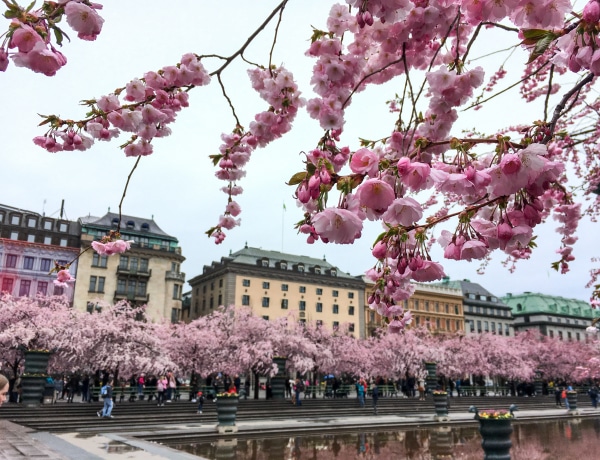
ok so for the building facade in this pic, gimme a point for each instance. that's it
(484, 312)
(149, 273)
(30, 246)
(438, 308)
(553, 316)
(274, 284)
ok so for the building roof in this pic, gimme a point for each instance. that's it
(529, 303)
(129, 224)
(250, 256)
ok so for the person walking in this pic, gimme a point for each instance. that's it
(107, 393)
(161, 388)
(594, 396)
(360, 391)
(200, 400)
(298, 388)
(375, 397)
(557, 396)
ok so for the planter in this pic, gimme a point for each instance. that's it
(36, 362)
(227, 410)
(278, 382)
(572, 398)
(32, 390)
(431, 379)
(225, 449)
(539, 387)
(496, 441)
(441, 443)
(441, 405)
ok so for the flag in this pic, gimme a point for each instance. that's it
(284, 208)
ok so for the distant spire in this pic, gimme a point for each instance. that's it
(324, 258)
(246, 246)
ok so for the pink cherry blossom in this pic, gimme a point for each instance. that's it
(63, 277)
(337, 225)
(84, 20)
(376, 195)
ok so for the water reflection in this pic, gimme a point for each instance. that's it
(565, 439)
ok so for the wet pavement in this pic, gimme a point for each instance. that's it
(18, 442)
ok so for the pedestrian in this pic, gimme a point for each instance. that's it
(594, 396)
(107, 393)
(557, 396)
(58, 389)
(360, 391)
(298, 388)
(421, 389)
(563, 396)
(141, 383)
(246, 387)
(200, 400)
(375, 397)
(3, 389)
(161, 387)
(85, 388)
(171, 386)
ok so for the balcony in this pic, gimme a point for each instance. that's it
(135, 272)
(132, 297)
(175, 276)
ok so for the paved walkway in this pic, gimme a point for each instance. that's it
(18, 442)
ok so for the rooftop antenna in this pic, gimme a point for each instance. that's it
(44, 208)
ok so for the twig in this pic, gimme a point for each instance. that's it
(125, 190)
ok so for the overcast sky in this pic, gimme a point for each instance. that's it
(176, 184)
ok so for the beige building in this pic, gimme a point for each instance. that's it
(275, 284)
(438, 308)
(149, 273)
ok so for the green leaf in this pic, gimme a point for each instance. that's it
(532, 36)
(297, 178)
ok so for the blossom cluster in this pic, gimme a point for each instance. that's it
(147, 108)
(277, 87)
(31, 31)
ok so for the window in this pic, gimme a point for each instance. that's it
(133, 264)
(335, 293)
(486, 326)
(578, 336)
(124, 262)
(427, 305)
(479, 326)
(319, 307)
(300, 268)
(265, 317)
(121, 286)
(31, 222)
(302, 289)
(265, 263)
(265, 302)
(14, 235)
(319, 291)
(569, 338)
(319, 322)
(42, 287)
(506, 329)
(220, 299)
(284, 287)
(560, 335)
(437, 323)
(47, 225)
(63, 242)
(351, 327)
(351, 295)
(101, 280)
(245, 300)
(245, 282)
(447, 324)
(28, 263)
(176, 291)
(437, 307)
(336, 309)
(351, 310)
(551, 333)
(284, 304)
(221, 282)
(45, 265)
(143, 265)
(7, 285)
(31, 238)
(58, 290)
(92, 286)
(11, 260)
(63, 227)
(47, 240)
(15, 220)
(26, 285)
(283, 266)
(493, 327)
(266, 285)
(456, 309)
(99, 261)
(336, 325)
(302, 305)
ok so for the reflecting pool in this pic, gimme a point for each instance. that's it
(564, 439)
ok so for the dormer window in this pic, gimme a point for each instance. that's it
(283, 265)
(300, 268)
(115, 222)
(333, 272)
(145, 227)
(318, 270)
(130, 224)
(264, 262)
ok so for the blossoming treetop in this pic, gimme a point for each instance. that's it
(495, 187)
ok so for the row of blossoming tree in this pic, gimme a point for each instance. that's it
(495, 188)
(120, 340)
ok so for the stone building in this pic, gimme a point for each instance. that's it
(484, 312)
(553, 316)
(438, 308)
(149, 273)
(274, 284)
(30, 245)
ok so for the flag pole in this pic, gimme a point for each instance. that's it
(282, 224)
